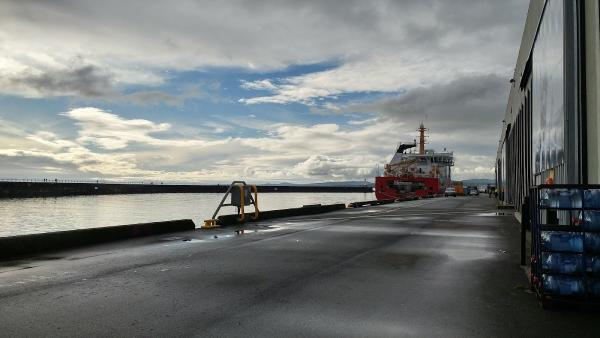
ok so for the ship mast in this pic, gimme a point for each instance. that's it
(422, 130)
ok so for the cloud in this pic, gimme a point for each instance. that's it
(462, 116)
(153, 97)
(86, 81)
(157, 97)
(468, 103)
(10, 129)
(259, 85)
(376, 74)
(77, 157)
(110, 131)
(332, 167)
(473, 166)
(17, 164)
(110, 146)
(385, 44)
(361, 122)
(323, 151)
(457, 113)
(448, 60)
(51, 140)
(431, 43)
(78, 161)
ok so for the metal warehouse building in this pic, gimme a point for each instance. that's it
(550, 127)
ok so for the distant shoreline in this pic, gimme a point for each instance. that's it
(57, 189)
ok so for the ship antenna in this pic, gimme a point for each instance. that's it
(422, 130)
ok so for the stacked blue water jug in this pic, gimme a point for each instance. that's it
(567, 256)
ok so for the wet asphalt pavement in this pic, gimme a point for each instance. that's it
(445, 267)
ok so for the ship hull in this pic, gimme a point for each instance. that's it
(393, 187)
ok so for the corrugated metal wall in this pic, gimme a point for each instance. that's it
(519, 154)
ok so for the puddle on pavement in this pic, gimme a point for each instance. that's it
(222, 236)
(406, 218)
(76, 258)
(468, 255)
(50, 258)
(497, 213)
(173, 238)
(403, 260)
(269, 228)
(18, 268)
(13, 263)
(219, 236)
(193, 240)
(442, 233)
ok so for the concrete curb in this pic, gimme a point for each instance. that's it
(270, 214)
(36, 243)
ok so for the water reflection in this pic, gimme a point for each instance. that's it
(33, 215)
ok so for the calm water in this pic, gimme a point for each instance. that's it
(32, 215)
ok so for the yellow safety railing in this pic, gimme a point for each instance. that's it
(254, 190)
(212, 223)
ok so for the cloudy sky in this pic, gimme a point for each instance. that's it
(210, 91)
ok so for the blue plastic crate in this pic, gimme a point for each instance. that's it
(562, 241)
(562, 262)
(566, 242)
(593, 287)
(592, 264)
(591, 220)
(591, 198)
(563, 285)
(592, 242)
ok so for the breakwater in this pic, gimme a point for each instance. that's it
(54, 189)
(36, 243)
(29, 244)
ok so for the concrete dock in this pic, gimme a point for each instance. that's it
(439, 267)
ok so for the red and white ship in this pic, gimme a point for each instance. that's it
(410, 173)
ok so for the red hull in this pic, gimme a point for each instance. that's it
(391, 187)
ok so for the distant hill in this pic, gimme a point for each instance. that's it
(479, 181)
(476, 181)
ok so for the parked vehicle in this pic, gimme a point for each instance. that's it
(474, 192)
(450, 191)
(459, 189)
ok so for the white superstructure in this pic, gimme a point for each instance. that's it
(425, 163)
